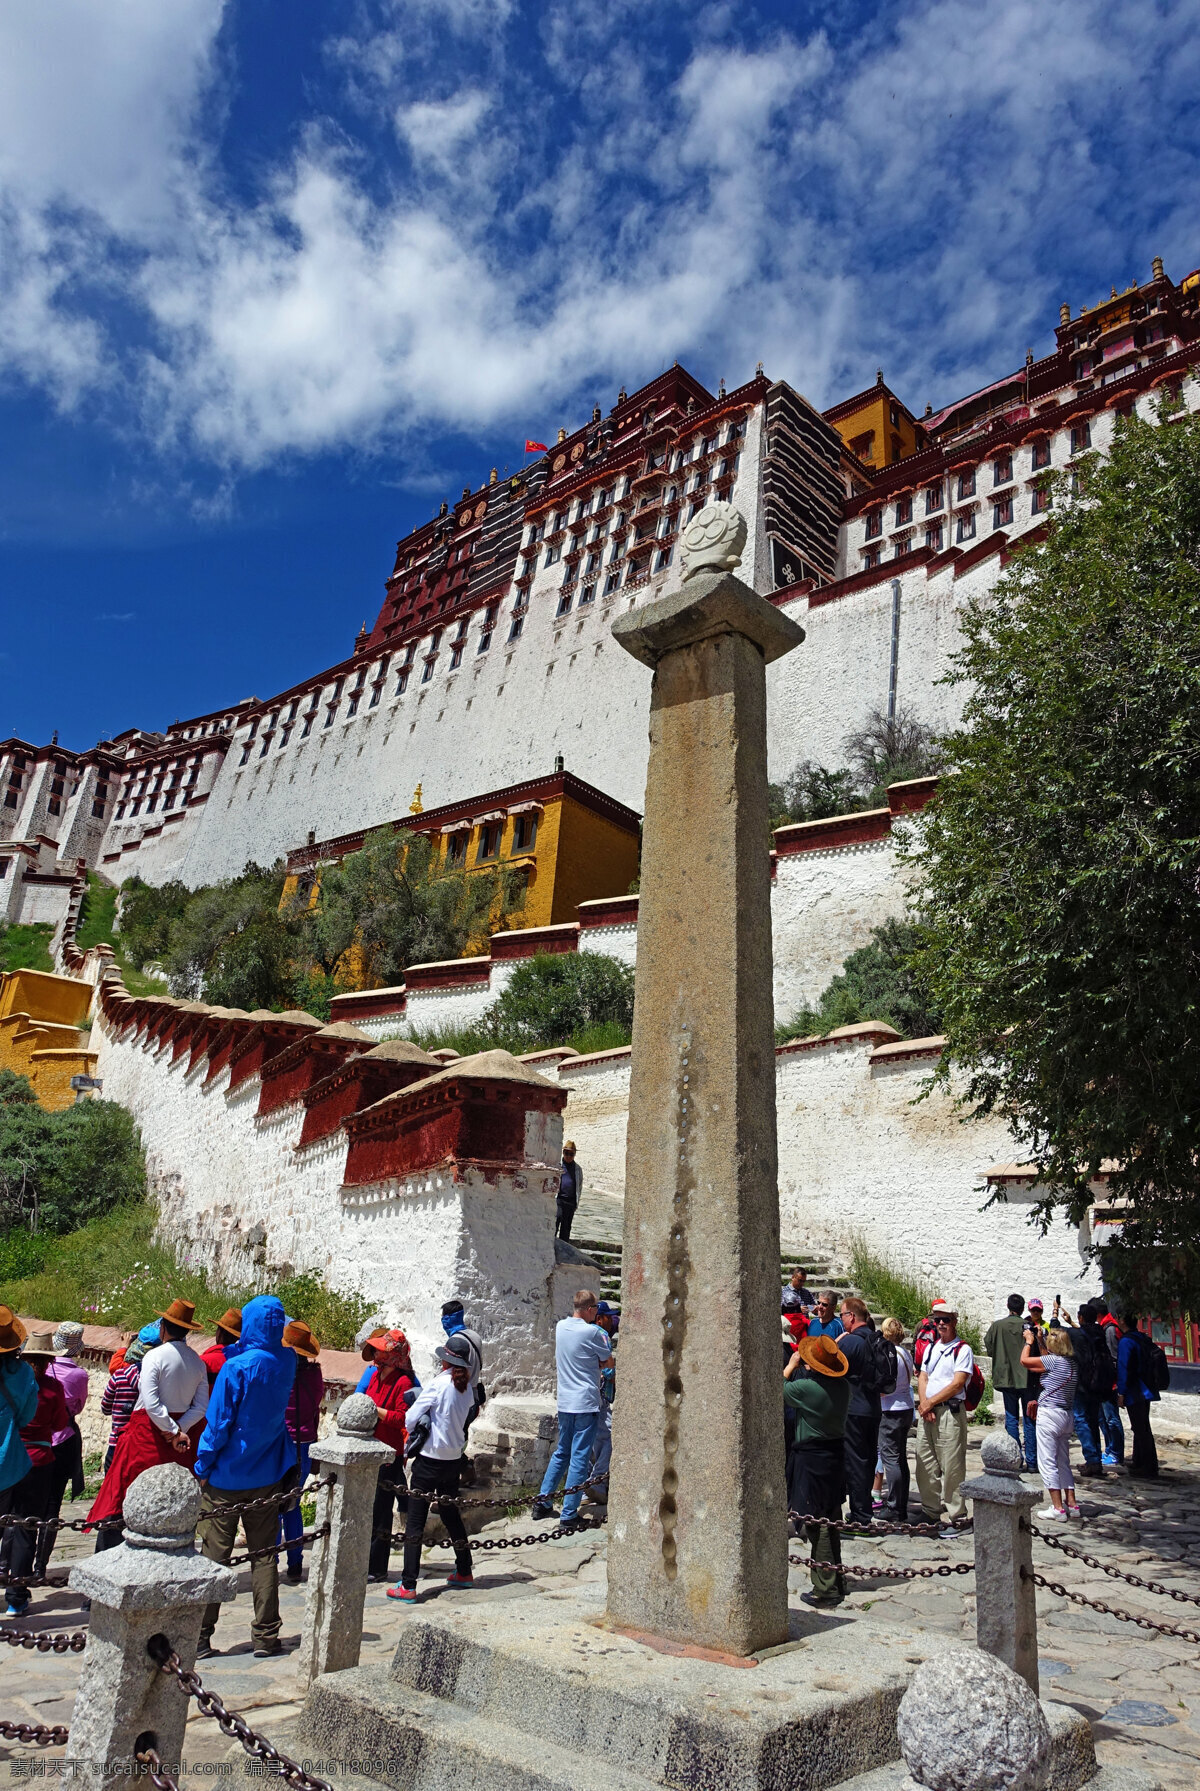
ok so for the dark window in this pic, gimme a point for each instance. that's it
(456, 847)
(904, 509)
(524, 833)
(564, 603)
(352, 705)
(515, 627)
(485, 641)
(933, 537)
(965, 529)
(1002, 511)
(874, 523)
(665, 556)
(55, 805)
(1081, 437)
(966, 484)
(1002, 469)
(612, 583)
(98, 810)
(402, 681)
(455, 656)
(1041, 500)
(427, 670)
(934, 498)
(246, 749)
(1041, 454)
(489, 841)
(872, 558)
(587, 595)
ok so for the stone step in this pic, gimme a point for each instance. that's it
(413, 1741)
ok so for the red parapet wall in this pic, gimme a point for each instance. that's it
(450, 1118)
(360, 1083)
(528, 942)
(298, 1068)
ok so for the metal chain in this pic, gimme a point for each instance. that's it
(1108, 1610)
(157, 1771)
(942, 1571)
(505, 1504)
(877, 1527)
(37, 1733)
(285, 1501)
(44, 1641)
(273, 1548)
(230, 1723)
(482, 1545)
(1115, 1573)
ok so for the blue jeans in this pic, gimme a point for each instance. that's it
(293, 1522)
(602, 1452)
(571, 1461)
(1114, 1430)
(1016, 1417)
(1087, 1416)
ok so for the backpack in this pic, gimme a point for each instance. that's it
(1154, 1367)
(885, 1367)
(1093, 1364)
(973, 1391)
(923, 1338)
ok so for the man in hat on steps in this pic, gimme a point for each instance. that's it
(169, 1413)
(246, 1454)
(229, 1329)
(32, 1496)
(817, 1392)
(570, 1187)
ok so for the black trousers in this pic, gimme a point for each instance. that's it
(19, 1546)
(391, 1492)
(68, 1468)
(427, 1480)
(816, 1488)
(861, 1448)
(1145, 1456)
(565, 1211)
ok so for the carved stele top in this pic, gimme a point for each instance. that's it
(713, 540)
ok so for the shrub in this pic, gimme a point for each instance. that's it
(60, 1170)
(554, 996)
(334, 1318)
(881, 981)
(26, 947)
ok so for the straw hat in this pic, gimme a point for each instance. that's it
(40, 1344)
(823, 1356)
(183, 1314)
(12, 1332)
(231, 1321)
(68, 1339)
(297, 1336)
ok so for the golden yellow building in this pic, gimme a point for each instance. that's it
(876, 426)
(567, 841)
(40, 1017)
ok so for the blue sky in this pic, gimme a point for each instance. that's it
(275, 278)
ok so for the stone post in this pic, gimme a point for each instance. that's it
(1005, 1604)
(154, 1583)
(337, 1567)
(698, 1505)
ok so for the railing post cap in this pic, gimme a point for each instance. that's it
(162, 1508)
(1001, 1454)
(357, 1416)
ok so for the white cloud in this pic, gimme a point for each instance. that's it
(905, 197)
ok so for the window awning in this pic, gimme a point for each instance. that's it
(458, 827)
(495, 814)
(526, 808)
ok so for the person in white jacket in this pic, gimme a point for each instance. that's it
(437, 1426)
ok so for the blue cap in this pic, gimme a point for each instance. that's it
(151, 1333)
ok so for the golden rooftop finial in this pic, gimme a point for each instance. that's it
(416, 806)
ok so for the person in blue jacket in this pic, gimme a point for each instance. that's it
(1135, 1393)
(18, 1402)
(246, 1452)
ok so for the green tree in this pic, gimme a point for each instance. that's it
(1060, 863)
(812, 793)
(881, 981)
(891, 749)
(396, 903)
(59, 1170)
(147, 915)
(231, 946)
(555, 996)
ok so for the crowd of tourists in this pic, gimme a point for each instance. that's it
(242, 1417)
(854, 1393)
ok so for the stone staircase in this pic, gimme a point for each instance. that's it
(607, 1252)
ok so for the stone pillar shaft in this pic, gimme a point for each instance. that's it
(1005, 1597)
(337, 1566)
(698, 1505)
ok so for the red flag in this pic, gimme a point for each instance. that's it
(535, 447)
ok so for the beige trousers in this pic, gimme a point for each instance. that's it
(942, 1463)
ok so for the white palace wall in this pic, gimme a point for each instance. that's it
(860, 1155)
(240, 1198)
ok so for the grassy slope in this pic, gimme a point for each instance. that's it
(26, 947)
(97, 926)
(111, 1272)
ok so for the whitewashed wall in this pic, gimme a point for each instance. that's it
(239, 1197)
(857, 1156)
(824, 905)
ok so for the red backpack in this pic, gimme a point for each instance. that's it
(924, 1335)
(973, 1391)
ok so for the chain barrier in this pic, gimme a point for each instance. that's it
(156, 1770)
(286, 1501)
(274, 1548)
(230, 1723)
(877, 1527)
(942, 1571)
(483, 1545)
(36, 1734)
(44, 1641)
(1108, 1610)
(1115, 1573)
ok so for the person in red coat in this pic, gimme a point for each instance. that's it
(34, 1495)
(229, 1329)
(392, 1386)
(168, 1418)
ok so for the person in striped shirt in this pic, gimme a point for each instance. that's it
(120, 1395)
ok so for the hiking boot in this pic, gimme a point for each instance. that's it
(264, 1650)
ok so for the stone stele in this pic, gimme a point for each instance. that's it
(698, 1506)
(969, 1723)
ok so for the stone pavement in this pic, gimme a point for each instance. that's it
(1140, 1690)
